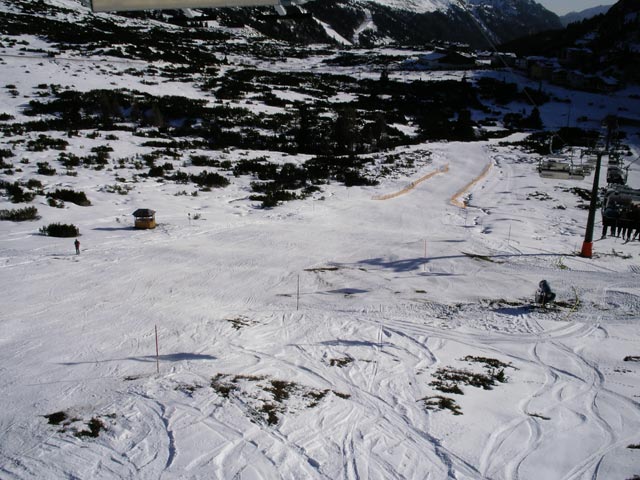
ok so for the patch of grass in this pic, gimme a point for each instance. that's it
(447, 387)
(490, 362)
(281, 390)
(222, 387)
(271, 412)
(476, 256)
(239, 322)
(281, 395)
(340, 362)
(449, 376)
(95, 427)
(438, 402)
(56, 418)
(187, 389)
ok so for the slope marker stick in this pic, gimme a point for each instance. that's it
(424, 264)
(157, 352)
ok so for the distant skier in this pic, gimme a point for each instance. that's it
(544, 293)
(77, 245)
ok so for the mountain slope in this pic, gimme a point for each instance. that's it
(613, 41)
(573, 17)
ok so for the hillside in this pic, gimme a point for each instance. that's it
(341, 280)
(573, 17)
(611, 40)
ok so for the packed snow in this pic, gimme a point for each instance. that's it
(304, 341)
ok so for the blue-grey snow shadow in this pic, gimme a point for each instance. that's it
(170, 357)
(515, 311)
(354, 343)
(396, 265)
(410, 264)
(112, 229)
(348, 291)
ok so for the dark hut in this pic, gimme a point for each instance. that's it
(145, 218)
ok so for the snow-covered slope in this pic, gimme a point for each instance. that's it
(318, 339)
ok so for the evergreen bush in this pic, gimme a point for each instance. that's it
(19, 214)
(61, 230)
(79, 198)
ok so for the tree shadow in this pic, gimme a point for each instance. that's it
(409, 264)
(113, 229)
(352, 343)
(514, 311)
(170, 357)
(348, 291)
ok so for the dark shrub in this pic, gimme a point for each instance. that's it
(45, 169)
(79, 198)
(20, 214)
(209, 179)
(62, 230)
(16, 194)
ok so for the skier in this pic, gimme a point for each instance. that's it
(77, 245)
(544, 293)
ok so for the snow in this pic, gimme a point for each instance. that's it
(399, 288)
(418, 6)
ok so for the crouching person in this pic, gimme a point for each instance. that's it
(544, 294)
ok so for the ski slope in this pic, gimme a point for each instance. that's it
(303, 341)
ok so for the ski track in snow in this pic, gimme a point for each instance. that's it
(77, 331)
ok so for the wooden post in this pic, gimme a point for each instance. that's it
(157, 352)
(298, 294)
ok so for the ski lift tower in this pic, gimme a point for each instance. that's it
(587, 245)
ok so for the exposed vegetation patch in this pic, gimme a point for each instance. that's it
(78, 427)
(484, 258)
(631, 359)
(449, 379)
(56, 418)
(340, 362)
(94, 427)
(266, 399)
(240, 322)
(438, 402)
(188, 389)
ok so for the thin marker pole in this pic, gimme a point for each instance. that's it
(424, 265)
(157, 352)
(509, 239)
(298, 294)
